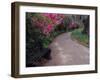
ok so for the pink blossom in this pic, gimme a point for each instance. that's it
(48, 29)
(72, 25)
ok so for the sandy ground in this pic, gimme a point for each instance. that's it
(65, 51)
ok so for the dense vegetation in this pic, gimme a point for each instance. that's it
(80, 37)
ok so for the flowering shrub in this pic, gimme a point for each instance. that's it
(46, 22)
(55, 18)
(48, 29)
(72, 25)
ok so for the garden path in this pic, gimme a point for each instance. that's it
(65, 51)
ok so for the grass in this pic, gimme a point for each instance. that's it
(80, 37)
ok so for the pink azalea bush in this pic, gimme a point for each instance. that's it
(55, 18)
(47, 21)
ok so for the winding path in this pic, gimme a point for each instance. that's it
(65, 51)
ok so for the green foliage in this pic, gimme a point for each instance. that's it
(78, 35)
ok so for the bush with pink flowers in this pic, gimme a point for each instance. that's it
(46, 22)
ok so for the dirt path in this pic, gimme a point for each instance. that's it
(65, 51)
